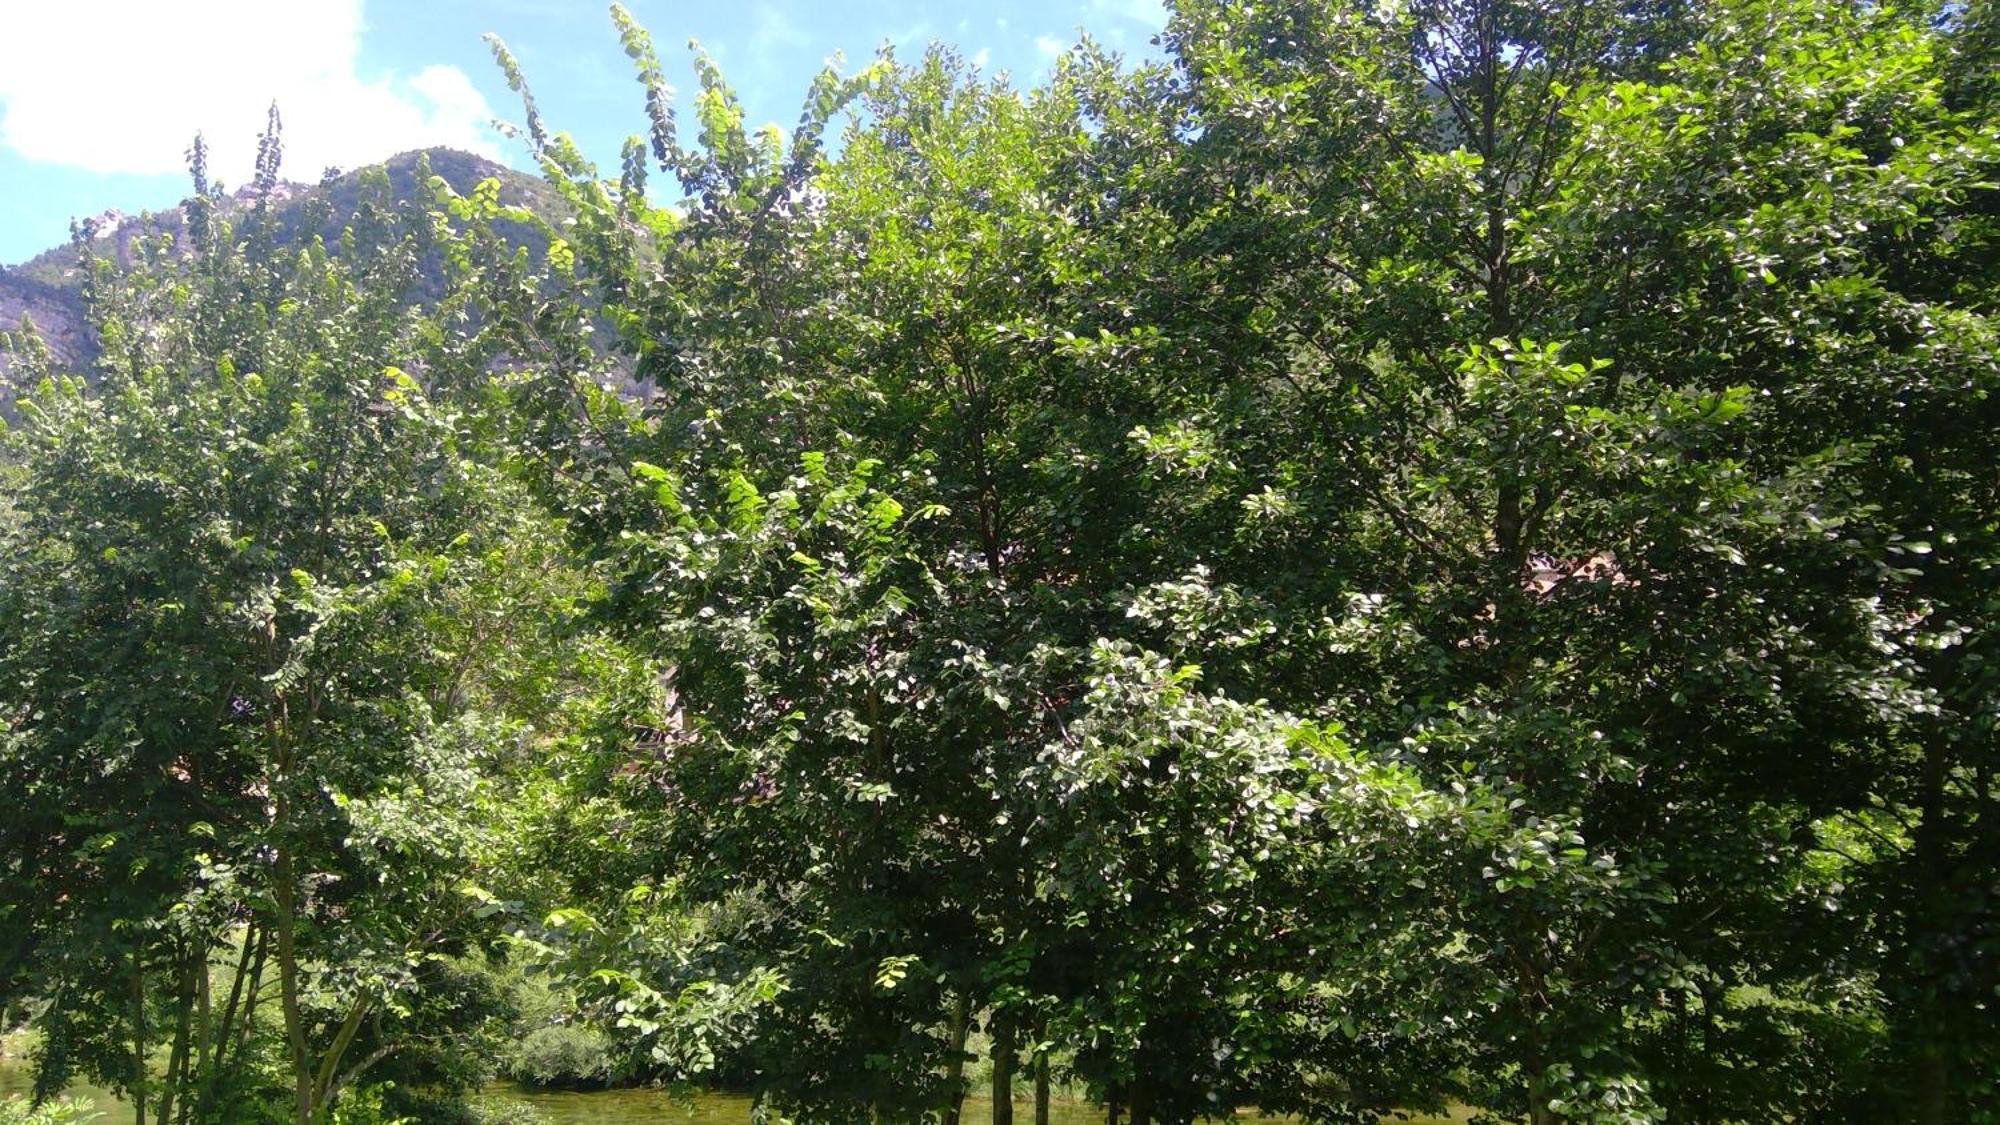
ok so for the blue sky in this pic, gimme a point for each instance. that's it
(99, 98)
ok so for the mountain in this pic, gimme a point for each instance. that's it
(47, 289)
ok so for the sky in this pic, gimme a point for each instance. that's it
(99, 99)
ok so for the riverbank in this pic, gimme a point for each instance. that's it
(631, 1106)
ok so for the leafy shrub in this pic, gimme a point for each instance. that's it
(435, 1107)
(17, 1110)
(364, 1107)
(562, 1055)
(503, 1112)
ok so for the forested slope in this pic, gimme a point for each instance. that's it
(47, 289)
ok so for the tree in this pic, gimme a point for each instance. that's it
(250, 623)
(1583, 491)
(1402, 554)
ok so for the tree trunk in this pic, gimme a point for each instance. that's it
(204, 1039)
(1539, 1112)
(1041, 1085)
(1003, 1068)
(283, 891)
(138, 1039)
(242, 998)
(1933, 1086)
(329, 1064)
(1932, 1079)
(177, 1057)
(961, 1015)
(354, 1073)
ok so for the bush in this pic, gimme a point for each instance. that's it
(562, 1055)
(432, 1107)
(503, 1112)
(16, 1110)
(364, 1107)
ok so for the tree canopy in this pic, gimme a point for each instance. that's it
(1383, 558)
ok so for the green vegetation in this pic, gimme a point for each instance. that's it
(48, 288)
(57, 1111)
(1433, 554)
(562, 1055)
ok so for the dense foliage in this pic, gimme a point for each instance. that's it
(1409, 555)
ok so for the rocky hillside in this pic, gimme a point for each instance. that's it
(46, 290)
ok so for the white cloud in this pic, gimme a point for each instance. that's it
(982, 56)
(1049, 45)
(123, 85)
(775, 29)
(1147, 13)
(912, 34)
